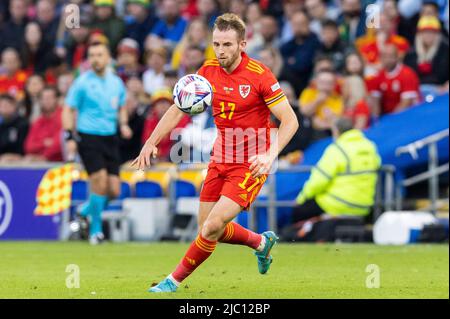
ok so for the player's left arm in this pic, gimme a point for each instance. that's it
(287, 128)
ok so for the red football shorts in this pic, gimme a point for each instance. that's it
(233, 181)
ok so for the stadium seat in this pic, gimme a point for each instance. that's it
(149, 218)
(184, 189)
(160, 177)
(125, 190)
(148, 189)
(185, 219)
(187, 187)
(195, 176)
(117, 227)
(80, 190)
(116, 219)
(188, 205)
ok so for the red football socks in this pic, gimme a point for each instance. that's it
(197, 253)
(235, 234)
(202, 248)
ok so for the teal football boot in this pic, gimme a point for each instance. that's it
(264, 257)
(166, 285)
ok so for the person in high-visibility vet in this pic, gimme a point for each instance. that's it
(343, 182)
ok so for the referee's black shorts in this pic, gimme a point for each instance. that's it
(99, 152)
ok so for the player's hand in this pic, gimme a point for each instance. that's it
(143, 160)
(260, 164)
(126, 132)
(71, 148)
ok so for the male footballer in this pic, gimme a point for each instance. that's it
(245, 93)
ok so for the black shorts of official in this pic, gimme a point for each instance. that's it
(99, 152)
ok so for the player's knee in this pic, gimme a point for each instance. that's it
(212, 228)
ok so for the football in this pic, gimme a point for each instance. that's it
(193, 94)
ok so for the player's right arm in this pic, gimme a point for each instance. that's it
(165, 125)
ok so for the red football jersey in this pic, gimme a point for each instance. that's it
(241, 102)
(391, 87)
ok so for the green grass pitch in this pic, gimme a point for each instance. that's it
(38, 270)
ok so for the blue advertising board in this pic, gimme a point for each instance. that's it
(17, 203)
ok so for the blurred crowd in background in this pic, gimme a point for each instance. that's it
(333, 59)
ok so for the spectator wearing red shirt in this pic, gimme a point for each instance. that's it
(160, 103)
(12, 78)
(370, 45)
(396, 87)
(43, 142)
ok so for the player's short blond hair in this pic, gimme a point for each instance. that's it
(230, 21)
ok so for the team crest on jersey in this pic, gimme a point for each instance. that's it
(244, 90)
(396, 86)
